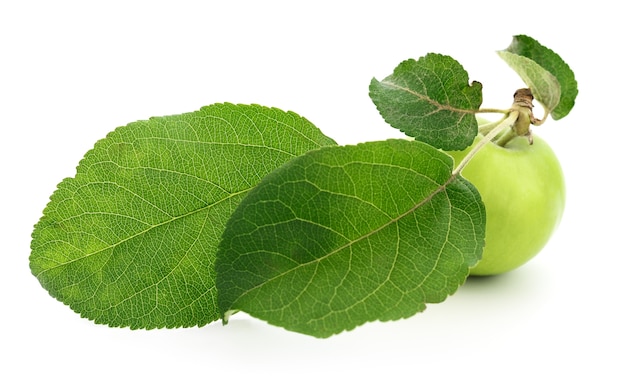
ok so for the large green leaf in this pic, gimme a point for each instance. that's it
(346, 235)
(131, 239)
(550, 79)
(430, 99)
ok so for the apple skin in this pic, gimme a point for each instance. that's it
(523, 189)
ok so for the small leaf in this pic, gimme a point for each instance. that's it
(540, 68)
(430, 100)
(346, 235)
(131, 239)
(544, 86)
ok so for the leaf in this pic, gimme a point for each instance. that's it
(544, 86)
(430, 100)
(131, 239)
(550, 79)
(346, 235)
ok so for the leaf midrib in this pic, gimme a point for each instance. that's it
(424, 97)
(172, 219)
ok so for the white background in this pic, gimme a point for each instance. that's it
(70, 72)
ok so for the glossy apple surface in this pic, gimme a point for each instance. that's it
(523, 189)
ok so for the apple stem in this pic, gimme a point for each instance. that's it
(503, 124)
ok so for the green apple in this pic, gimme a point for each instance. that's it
(523, 189)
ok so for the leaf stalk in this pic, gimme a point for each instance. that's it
(503, 124)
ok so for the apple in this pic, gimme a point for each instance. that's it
(523, 189)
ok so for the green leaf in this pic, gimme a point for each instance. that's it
(430, 100)
(346, 235)
(549, 78)
(131, 239)
(544, 86)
